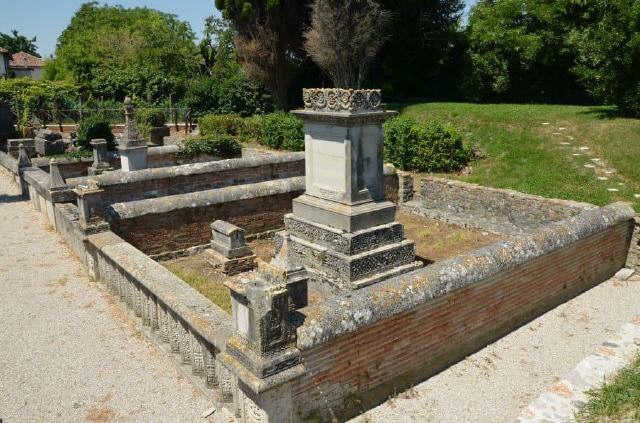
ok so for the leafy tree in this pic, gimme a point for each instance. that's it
(16, 43)
(112, 51)
(344, 38)
(608, 51)
(419, 58)
(269, 41)
(518, 51)
(223, 87)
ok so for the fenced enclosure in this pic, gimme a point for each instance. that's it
(178, 118)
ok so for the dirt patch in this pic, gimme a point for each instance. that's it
(100, 415)
(438, 241)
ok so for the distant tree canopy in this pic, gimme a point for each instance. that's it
(269, 41)
(15, 43)
(113, 52)
(423, 55)
(519, 51)
(607, 45)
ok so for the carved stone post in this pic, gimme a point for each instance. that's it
(57, 182)
(100, 157)
(132, 148)
(262, 352)
(91, 207)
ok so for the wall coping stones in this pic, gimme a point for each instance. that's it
(10, 163)
(118, 177)
(39, 180)
(206, 198)
(205, 318)
(338, 316)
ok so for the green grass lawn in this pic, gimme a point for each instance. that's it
(618, 401)
(525, 155)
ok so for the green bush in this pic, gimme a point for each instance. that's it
(223, 93)
(251, 128)
(220, 124)
(94, 127)
(223, 146)
(154, 118)
(148, 119)
(424, 147)
(281, 131)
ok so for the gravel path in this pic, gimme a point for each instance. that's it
(68, 350)
(496, 383)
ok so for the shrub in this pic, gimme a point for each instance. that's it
(223, 146)
(220, 124)
(424, 147)
(148, 119)
(282, 131)
(251, 128)
(222, 94)
(152, 117)
(94, 127)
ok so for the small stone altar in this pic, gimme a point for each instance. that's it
(342, 229)
(229, 250)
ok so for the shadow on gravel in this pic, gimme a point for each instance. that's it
(5, 199)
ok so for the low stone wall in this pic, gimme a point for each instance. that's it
(153, 183)
(164, 156)
(193, 328)
(504, 212)
(360, 350)
(178, 222)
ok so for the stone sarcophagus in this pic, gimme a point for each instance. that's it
(342, 229)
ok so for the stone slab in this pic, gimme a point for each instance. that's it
(344, 217)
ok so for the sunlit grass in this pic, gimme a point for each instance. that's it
(211, 287)
(525, 155)
(617, 401)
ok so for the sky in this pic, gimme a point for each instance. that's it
(46, 19)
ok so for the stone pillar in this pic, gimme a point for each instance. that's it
(262, 353)
(23, 162)
(132, 148)
(90, 207)
(229, 250)
(57, 182)
(100, 157)
(342, 229)
(23, 157)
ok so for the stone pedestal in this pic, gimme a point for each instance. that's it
(132, 148)
(262, 352)
(100, 158)
(229, 250)
(90, 208)
(342, 229)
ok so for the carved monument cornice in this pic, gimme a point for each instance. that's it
(341, 100)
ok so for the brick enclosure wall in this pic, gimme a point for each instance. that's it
(188, 227)
(180, 184)
(358, 370)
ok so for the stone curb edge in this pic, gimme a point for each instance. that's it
(568, 396)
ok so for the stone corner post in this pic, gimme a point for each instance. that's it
(262, 352)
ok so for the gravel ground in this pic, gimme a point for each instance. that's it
(68, 350)
(497, 382)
